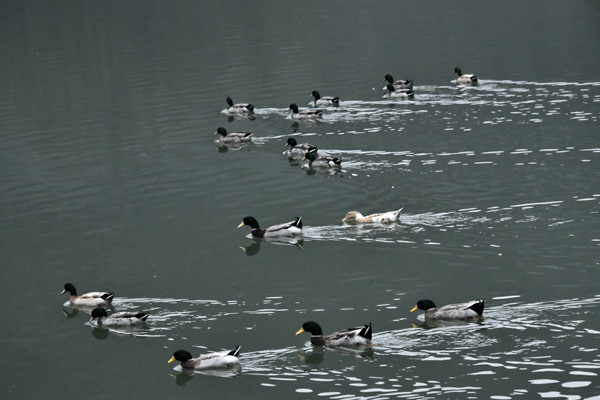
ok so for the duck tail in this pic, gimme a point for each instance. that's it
(366, 332)
(235, 352)
(143, 315)
(108, 296)
(478, 306)
(298, 222)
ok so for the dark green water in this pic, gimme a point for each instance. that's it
(112, 180)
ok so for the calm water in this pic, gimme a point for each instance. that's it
(112, 180)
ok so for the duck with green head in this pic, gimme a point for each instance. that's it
(123, 318)
(239, 108)
(305, 114)
(465, 78)
(360, 335)
(399, 84)
(325, 100)
(288, 229)
(300, 149)
(233, 137)
(217, 360)
(322, 162)
(91, 299)
(468, 310)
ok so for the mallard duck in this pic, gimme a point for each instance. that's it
(305, 114)
(124, 318)
(288, 229)
(466, 78)
(325, 100)
(240, 108)
(399, 84)
(468, 310)
(222, 359)
(91, 299)
(387, 217)
(400, 93)
(347, 337)
(322, 162)
(233, 137)
(300, 148)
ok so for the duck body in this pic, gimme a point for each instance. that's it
(399, 84)
(394, 93)
(288, 229)
(91, 299)
(386, 218)
(217, 360)
(468, 310)
(360, 335)
(124, 318)
(305, 114)
(234, 137)
(465, 78)
(300, 148)
(322, 162)
(240, 108)
(325, 100)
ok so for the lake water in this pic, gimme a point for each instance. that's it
(112, 180)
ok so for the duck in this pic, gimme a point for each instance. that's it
(217, 360)
(300, 148)
(360, 335)
(322, 162)
(325, 100)
(233, 137)
(305, 114)
(124, 318)
(399, 84)
(240, 108)
(464, 78)
(91, 299)
(291, 228)
(400, 93)
(386, 217)
(468, 310)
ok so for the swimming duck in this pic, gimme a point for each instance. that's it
(322, 162)
(361, 335)
(399, 84)
(234, 137)
(387, 217)
(466, 78)
(300, 148)
(124, 318)
(288, 229)
(240, 108)
(218, 360)
(468, 310)
(325, 100)
(400, 93)
(91, 299)
(305, 114)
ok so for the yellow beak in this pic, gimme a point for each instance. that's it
(415, 308)
(171, 360)
(300, 331)
(216, 133)
(240, 225)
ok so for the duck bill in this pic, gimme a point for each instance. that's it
(63, 292)
(171, 360)
(415, 308)
(242, 224)
(300, 331)
(216, 133)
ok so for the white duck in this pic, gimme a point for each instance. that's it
(386, 218)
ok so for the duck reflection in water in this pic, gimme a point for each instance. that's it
(317, 355)
(254, 248)
(445, 323)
